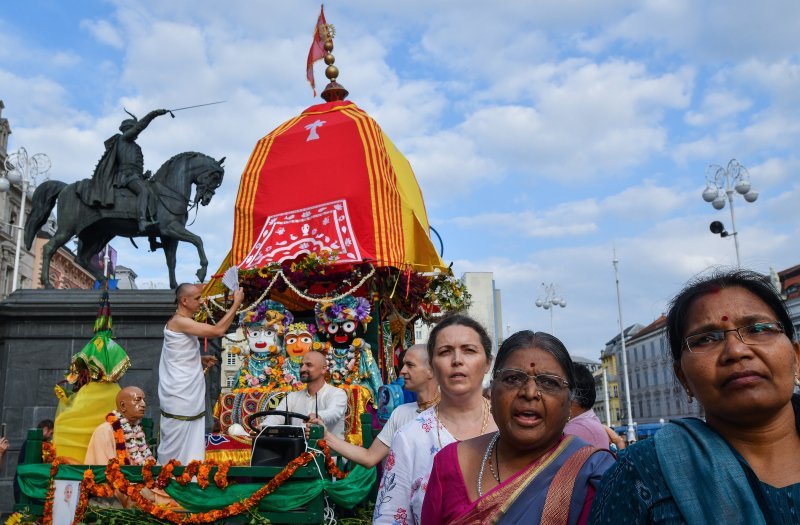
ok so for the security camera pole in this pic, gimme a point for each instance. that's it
(719, 180)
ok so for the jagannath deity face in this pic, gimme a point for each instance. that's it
(342, 334)
(343, 320)
(263, 338)
(298, 344)
(264, 326)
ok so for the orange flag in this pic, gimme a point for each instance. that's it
(317, 50)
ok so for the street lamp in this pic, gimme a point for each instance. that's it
(23, 170)
(724, 181)
(631, 434)
(550, 301)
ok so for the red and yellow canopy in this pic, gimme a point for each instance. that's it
(330, 179)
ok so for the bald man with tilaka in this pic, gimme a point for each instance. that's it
(181, 385)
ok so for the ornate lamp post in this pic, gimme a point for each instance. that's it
(22, 169)
(550, 301)
(724, 181)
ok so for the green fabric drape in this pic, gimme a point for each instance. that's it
(35, 478)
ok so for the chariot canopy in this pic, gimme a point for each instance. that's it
(330, 180)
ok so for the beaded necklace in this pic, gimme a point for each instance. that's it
(486, 455)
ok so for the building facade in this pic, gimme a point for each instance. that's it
(656, 394)
(610, 382)
(790, 290)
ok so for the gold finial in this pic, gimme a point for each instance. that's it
(333, 91)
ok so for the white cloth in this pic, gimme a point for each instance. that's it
(182, 392)
(408, 467)
(330, 403)
(400, 416)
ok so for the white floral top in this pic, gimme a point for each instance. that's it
(408, 467)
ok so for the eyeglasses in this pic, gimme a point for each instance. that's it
(754, 334)
(513, 379)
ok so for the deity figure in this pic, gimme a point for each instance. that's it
(298, 340)
(350, 362)
(264, 328)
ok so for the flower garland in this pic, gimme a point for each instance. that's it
(272, 371)
(212, 298)
(344, 369)
(291, 374)
(131, 443)
(89, 487)
(201, 469)
(116, 481)
(330, 464)
(48, 452)
(47, 518)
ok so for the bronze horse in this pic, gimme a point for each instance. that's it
(170, 189)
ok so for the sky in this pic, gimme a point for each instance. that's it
(544, 135)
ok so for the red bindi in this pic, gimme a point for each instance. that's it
(724, 317)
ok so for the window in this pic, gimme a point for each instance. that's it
(231, 359)
(655, 375)
(230, 380)
(618, 414)
(616, 394)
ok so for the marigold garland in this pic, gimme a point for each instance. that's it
(330, 464)
(47, 518)
(116, 481)
(48, 452)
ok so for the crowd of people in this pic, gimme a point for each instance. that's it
(530, 449)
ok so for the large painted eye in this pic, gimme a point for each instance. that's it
(305, 340)
(291, 340)
(270, 332)
(333, 328)
(254, 333)
(349, 326)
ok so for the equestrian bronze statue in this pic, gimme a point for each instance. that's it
(122, 200)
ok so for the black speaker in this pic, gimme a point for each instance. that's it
(277, 446)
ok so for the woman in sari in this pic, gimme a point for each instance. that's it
(460, 353)
(528, 471)
(734, 349)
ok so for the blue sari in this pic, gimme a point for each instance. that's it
(709, 480)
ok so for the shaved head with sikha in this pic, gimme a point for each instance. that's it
(131, 403)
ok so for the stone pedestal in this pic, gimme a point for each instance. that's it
(40, 331)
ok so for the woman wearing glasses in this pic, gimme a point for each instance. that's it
(460, 354)
(734, 350)
(528, 471)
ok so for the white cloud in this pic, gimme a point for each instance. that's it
(104, 32)
(717, 105)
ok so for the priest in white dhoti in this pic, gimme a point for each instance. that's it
(181, 384)
(317, 400)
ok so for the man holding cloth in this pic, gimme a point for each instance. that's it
(181, 385)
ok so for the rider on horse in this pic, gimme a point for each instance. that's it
(122, 166)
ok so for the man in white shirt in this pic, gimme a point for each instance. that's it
(321, 401)
(418, 378)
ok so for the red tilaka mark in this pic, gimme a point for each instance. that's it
(724, 317)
